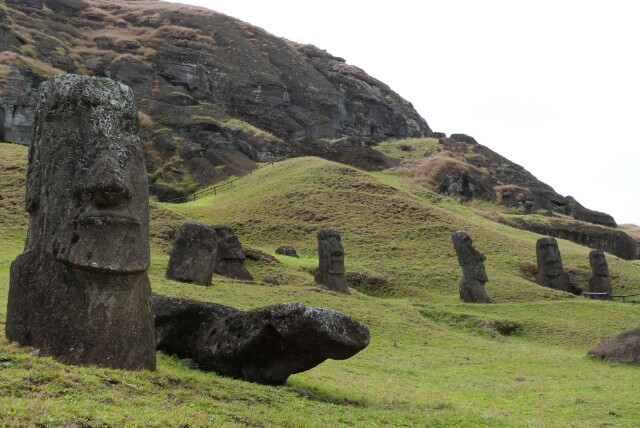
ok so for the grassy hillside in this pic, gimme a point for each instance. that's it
(432, 361)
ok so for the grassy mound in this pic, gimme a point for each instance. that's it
(432, 359)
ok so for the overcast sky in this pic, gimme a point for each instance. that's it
(552, 85)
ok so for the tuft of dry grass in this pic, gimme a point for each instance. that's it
(426, 172)
(35, 65)
(633, 230)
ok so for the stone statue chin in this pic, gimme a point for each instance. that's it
(474, 276)
(80, 292)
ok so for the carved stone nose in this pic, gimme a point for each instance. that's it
(107, 185)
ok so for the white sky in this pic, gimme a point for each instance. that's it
(552, 85)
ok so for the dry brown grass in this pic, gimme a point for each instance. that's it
(36, 66)
(633, 230)
(510, 193)
(146, 122)
(426, 172)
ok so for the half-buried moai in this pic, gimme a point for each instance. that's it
(474, 276)
(80, 292)
(600, 281)
(331, 257)
(194, 254)
(551, 273)
(230, 255)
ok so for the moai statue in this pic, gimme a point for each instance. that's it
(194, 254)
(551, 272)
(79, 292)
(331, 256)
(474, 275)
(600, 281)
(230, 255)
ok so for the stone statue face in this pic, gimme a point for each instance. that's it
(87, 182)
(598, 263)
(548, 254)
(470, 259)
(330, 251)
(229, 246)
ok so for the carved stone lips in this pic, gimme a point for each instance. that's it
(99, 218)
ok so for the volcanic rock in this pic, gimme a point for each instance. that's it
(287, 250)
(80, 291)
(264, 345)
(623, 348)
(194, 254)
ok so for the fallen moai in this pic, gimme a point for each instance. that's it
(264, 345)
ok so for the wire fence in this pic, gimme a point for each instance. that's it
(192, 196)
(609, 296)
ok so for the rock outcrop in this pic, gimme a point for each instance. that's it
(215, 94)
(80, 290)
(264, 345)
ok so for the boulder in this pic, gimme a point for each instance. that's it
(287, 251)
(264, 345)
(194, 253)
(623, 348)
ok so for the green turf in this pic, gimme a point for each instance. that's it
(432, 361)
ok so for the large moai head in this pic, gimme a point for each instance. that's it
(598, 263)
(330, 252)
(474, 275)
(80, 291)
(230, 255)
(551, 273)
(331, 270)
(548, 255)
(87, 182)
(194, 253)
(600, 281)
(470, 259)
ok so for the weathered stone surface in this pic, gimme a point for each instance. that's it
(623, 348)
(289, 338)
(80, 292)
(264, 345)
(230, 255)
(287, 250)
(36, 4)
(551, 272)
(463, 138)
(600, 281)
(474, 276)
(194, 254)
(331, 256)
(579, 212)
(180, 323)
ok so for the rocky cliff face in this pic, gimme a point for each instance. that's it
(215, 94)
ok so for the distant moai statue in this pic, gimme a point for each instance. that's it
(230, 255)
(331, 257)
(551, 273)
(79, 292)
(600, 281)
(194, 254)
(474, 276)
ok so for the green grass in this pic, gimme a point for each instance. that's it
(432, 361)
(415, 149)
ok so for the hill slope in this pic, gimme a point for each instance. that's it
(432, 360)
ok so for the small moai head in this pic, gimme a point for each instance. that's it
(87, 181)
(330, 252)
(229, 246)
(598, 262)
(470, 259)
(548, 255)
